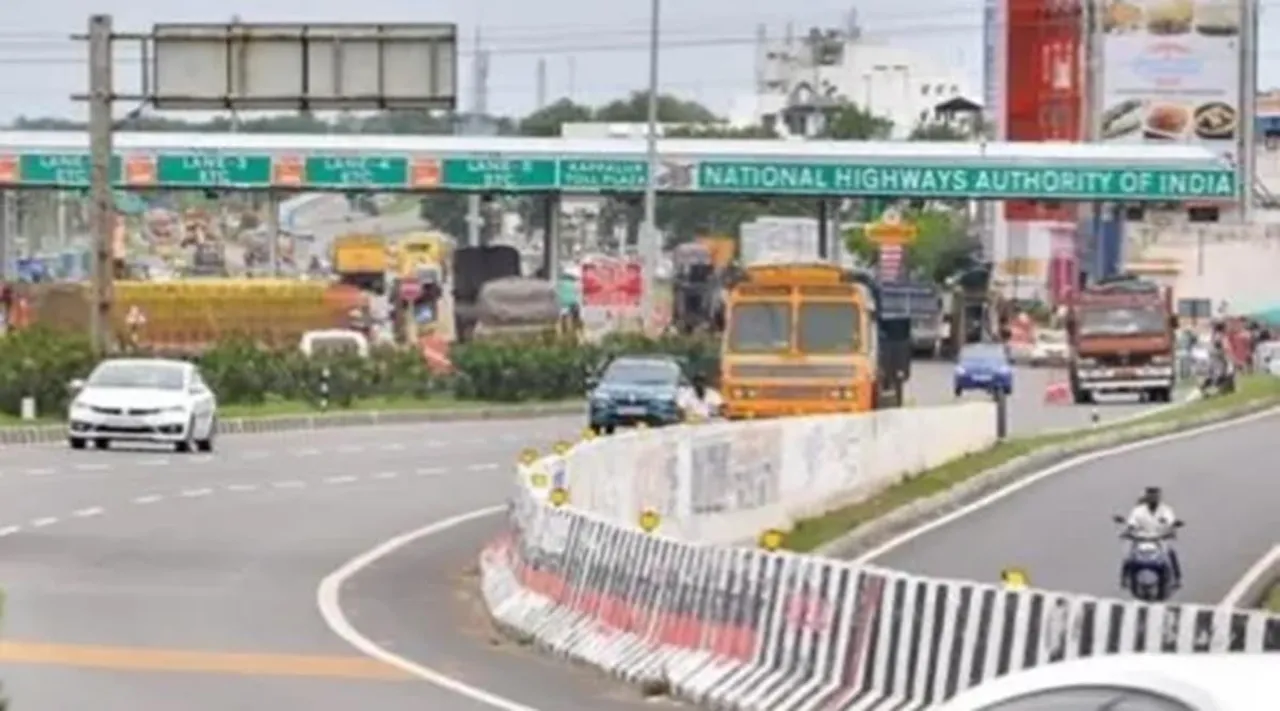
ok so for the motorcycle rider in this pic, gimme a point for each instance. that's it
(1154, 519)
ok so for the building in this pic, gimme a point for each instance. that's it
(828, 66)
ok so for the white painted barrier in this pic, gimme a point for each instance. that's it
(738, 628)
(728, 482)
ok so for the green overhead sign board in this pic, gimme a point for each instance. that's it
(342, 172)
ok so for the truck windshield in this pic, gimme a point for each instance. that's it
(829, 328)
(760, 328)
(1128, 321)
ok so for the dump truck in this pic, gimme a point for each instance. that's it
(971, 311)
(1123, 335)
(186, 316)
(810, 338)
(921, 303)
(473, 267)
(361, 260)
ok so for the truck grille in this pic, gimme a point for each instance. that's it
(751, 371)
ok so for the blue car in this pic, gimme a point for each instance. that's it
(635, 390)
(984, 366)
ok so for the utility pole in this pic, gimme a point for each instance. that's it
(650, 238)
(473, 126)
(541, 83)
(101, 207)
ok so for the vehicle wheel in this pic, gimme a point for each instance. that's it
(1161, 395)
(206, 444)
(77, 442)
(102, 443)
(959, 392)
(187, 444)
(609, 429)
(1082, 397)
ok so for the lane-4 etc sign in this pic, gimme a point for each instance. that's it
(397, 172)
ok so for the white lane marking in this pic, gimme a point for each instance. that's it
(1264, 567)
(196, 493)
(309, 452)
(46, 521)
(291, 484)
(350, 448)
(148, 499)
(91, 511)
(242, 487)
(9, 530)
(340, 479)
(329, 600)
(161, 462)
(995, 496)
(429, 471)
(386, 475)
(42, 471)
(392, 447)
(482, 467)
(433, 443)
(92, 467)
(202, 459)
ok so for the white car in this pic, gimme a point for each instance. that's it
(1050, 347)
(1155, 682)
(143, 400)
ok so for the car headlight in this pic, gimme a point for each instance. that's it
(960, 370)
(77, 406)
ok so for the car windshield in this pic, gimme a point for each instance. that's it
(120, 374)
(760, 328)
(984, 355)
(641, 372)
(829, 328)
(1122, 321)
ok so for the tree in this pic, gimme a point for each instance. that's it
(848, 122)
(939, 132)
(548, 120)
(670, 110)
(941, 245)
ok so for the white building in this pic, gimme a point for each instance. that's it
(895, 83)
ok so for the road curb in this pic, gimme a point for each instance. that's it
(45, 434)
(900, 520)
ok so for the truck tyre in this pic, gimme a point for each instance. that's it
(1082, 397)
(1161, 395)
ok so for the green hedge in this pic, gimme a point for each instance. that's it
(40, 363)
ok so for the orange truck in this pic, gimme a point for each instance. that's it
(1123, 334)
(804, 339)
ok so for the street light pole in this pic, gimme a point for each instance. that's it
(650, 243)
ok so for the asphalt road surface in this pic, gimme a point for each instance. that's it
(931, 384)
(1222, 483)
(149, 581)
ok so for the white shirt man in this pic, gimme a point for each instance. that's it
(1144, 520)
(701, 408)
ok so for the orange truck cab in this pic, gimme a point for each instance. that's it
(805, 339)
(1122, 334)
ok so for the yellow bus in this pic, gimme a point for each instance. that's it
(804, 339)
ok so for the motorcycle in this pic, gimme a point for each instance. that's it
(1150, 570)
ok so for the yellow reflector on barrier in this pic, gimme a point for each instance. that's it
(649, 520)
(558, 496)
(528, 456)
(772, 539)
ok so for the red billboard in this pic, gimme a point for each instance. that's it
(1044, 86)
(612, 283)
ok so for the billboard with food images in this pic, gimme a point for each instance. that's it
(1171, 73)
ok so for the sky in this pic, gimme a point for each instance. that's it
(594, 50)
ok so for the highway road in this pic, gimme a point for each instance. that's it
(1223, 483)
(147, 580)
(150, 581)
(931, 384)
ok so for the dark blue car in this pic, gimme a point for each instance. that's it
(635, 390)
(984, 366)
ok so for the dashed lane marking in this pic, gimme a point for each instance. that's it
(196, 493)
(482, 467)
(46, 521)
(88, 512)
(429, 471)
(148, 499)
(181, 660)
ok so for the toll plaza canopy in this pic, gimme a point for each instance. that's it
(1047, 171)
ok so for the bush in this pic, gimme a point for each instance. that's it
(40, 363)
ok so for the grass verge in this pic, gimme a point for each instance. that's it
(1272, 603)
(280, 408)
(809, 534)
